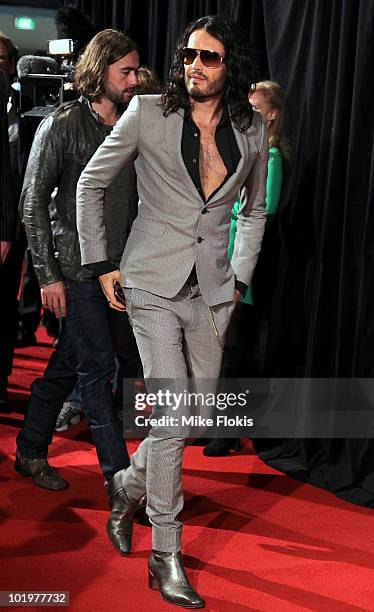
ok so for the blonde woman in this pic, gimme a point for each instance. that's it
(268, 99)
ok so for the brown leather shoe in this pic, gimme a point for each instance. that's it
(42, 473)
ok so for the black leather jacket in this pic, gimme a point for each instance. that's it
(63, 144)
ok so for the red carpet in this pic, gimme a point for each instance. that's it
(253, 539)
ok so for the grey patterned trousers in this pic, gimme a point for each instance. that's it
(177, 340)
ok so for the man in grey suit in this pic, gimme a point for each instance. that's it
(194, 147)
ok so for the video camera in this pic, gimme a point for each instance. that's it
(46, 82)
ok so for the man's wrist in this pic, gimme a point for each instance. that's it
(93, 270)
(51, 282)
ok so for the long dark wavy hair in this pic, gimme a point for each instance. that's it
(238, 61)
(106, 48)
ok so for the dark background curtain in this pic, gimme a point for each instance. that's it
(7, 193)
(321, 321)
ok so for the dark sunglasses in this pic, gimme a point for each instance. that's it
(209, 59)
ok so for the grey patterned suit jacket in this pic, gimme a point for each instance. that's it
(165, 240)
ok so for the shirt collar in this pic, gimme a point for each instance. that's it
(225, 117)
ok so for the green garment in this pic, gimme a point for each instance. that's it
(273, 190)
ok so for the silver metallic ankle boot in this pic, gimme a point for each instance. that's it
(120, 522)
(167, 574)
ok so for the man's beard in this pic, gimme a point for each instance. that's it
(210, 89)
(117, 98)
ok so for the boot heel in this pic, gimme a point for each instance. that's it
(152, 581)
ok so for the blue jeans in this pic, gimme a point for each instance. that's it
(85, 352)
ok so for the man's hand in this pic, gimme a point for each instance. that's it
(54, 298)
(107, 284)
(4, 251)
(237, 295)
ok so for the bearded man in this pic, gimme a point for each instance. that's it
(106, 77)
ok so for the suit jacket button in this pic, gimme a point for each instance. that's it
(204, 211)
(199, 239)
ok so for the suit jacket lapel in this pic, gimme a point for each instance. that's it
(242, 142)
